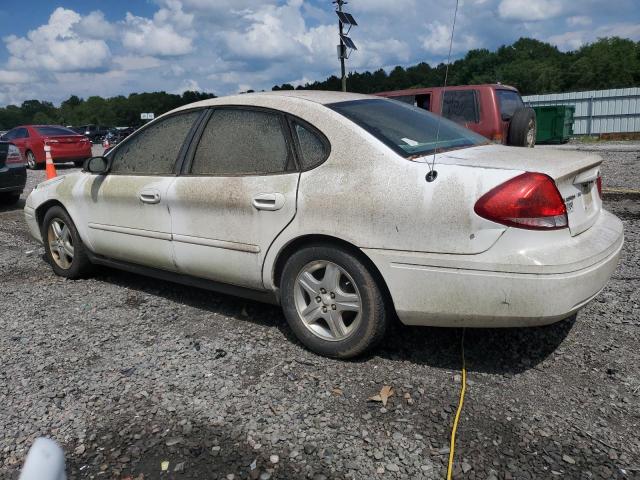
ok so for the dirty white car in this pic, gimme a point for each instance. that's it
(324, 202)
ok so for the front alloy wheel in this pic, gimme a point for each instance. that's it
(64, 249)
(60, 243)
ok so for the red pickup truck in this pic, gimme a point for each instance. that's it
(495, 111)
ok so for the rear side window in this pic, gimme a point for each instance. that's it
(509, 102)
(242, 142)
(54, 131)
(155, 149)
(461, 106)
(312, 149)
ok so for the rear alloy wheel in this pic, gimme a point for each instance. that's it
(31, 161)
(63, 247)
(332, 302)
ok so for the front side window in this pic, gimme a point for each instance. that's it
(155, 149)
(312, 149)
(409, 131)
(460, 106)
(242, 142)
(509, 102)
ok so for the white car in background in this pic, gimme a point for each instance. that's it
(320, 201)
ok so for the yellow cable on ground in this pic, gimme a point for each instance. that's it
(452, 447)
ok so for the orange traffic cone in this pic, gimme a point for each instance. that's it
(50, 168)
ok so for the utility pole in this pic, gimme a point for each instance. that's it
(345, 42)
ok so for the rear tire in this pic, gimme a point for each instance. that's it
(63, 247)
(522, 128)
(351, 315)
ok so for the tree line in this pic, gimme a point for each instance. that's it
(114, 111)
(528, 64)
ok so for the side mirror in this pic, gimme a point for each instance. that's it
(96, 165)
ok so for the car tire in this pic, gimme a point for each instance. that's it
(63, 246)
(351, 316)
(31, 161)
(522, 128)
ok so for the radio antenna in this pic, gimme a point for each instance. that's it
(431, 176)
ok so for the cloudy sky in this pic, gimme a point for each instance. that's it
(52, 49)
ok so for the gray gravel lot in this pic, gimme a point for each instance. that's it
(127, 372)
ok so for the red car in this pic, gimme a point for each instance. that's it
(494, 111)
(66, 145)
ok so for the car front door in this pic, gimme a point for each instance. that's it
(238, 192)
(127, 209)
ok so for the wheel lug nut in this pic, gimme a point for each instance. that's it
(333, 295)
(324, 309)
(318, 299)
(333, 307)
(323, 291)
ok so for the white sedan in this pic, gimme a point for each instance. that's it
(335, 206)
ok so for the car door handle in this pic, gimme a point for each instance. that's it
(268, 201)
(149, 197)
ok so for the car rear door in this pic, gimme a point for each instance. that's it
(127, 210)
(237, 193)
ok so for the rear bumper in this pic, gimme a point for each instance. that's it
(13, 179)
(436, 295)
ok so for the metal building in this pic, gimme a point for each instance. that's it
(598, 111)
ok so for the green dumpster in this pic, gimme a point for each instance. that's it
(554, 123)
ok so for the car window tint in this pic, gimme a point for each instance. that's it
(237, 142)
(54, 131)
(460, 106)
(312, 149)
(408, 130)
(509, 102)
(10, 135)
(155, 149)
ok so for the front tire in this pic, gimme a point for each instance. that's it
(64, 249)
(332, 302)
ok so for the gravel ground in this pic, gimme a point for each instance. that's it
(128, 372)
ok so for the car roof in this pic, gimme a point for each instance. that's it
(316, 96)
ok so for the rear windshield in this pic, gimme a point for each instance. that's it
(408, 130)
(509, 102)
(55, 131)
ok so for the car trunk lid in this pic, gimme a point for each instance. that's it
(575, 174)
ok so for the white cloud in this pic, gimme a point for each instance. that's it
(438, 37)
(57, 47)
(145, 37)
(13, 77)
(95, 25)
(579, 21)
(529, 10)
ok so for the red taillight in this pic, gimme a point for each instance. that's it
(599, 184)
(530, 200)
